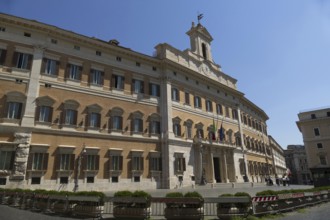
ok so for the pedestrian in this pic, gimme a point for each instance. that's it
(277, 180)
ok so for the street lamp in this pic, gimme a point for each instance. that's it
(80, 157)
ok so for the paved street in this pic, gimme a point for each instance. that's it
(319, 212)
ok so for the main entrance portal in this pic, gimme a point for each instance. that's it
(216, 164)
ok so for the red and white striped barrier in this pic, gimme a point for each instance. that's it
(264, 198)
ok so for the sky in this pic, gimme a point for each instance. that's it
(279, 51)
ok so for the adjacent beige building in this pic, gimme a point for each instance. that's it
(79, 113)
(315, 128)
(278, 159)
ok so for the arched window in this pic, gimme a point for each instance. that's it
(204, 50)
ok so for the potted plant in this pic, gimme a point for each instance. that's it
(87, 204)
(131, 205)
(188, 206)
(233, 205)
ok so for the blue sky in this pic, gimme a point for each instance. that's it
(279, 51)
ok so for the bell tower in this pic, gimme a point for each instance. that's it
(200, 42)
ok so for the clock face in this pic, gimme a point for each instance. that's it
(206, 71)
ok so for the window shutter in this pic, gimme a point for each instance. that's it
(150, 90)
(37, 116)
(15, 57)
(141, 163)
(57, 67)
(122, 86)
(140, 125)
(3, 54)
(67, 70)
(75, 117)
(87, 123)
(30, 161)
(72, 160)
(19, 115)
(132, 124)
(58, 161)
(98, 120)
(142, 87)
(62, 118)
(176, 164)
(80, 69)
(12, 160)
(120, 162)
(110, 163)
(97, 162)
(150, 163)
(29, 64)
(45, 161)
(91, 76)
(113, 81)
(184, 163)
(179, 130)
(102, 78)
(121, 123)
(50, 116)
(133, 85)
(84, 160)
(43, 65)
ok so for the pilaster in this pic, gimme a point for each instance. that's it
(33, 88)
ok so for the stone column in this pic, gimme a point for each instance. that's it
(21, 156)
(224, 156)
(212, 166)
(166, 127)
(33, 89)
(240, 127)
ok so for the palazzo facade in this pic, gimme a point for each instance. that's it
(80, 113)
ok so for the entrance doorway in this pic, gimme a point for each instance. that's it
(216, 166)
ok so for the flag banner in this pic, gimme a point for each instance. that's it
(221, 133)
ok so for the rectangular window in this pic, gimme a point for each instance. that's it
(155, 127)
(155, 163)
(137, 163)
(92, 162)
(180, 164)
(137, 179)
(70, 117)
(197, 102)
(116, 123)
(177, 129)
(14, 110)
(209, 107)
(2, 29)
(189, 131)
(328, 114)
(35, 180)
(175, 95)
(3, 181)
(94, 120)
(219, 109)
(118, 82)
(154, 90)
(2, 56)
(319, 145)
(51, 67)
(53, 41)
(64, 180)
(114, 179)
(90, 179)
(27, 34)
(187, 98)
(23, 61)
(227, 112)
(313, 116)
(6, 160)
(235, 115)
(45, 113)
(316, 132)
(76, 47)
(74, 72)
(323, 160)
(96, 77)
(137, 125)
(40, 161)
(98, 53)
(66, 161)
(138, 86)
(116, 162)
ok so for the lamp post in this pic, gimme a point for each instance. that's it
(80, 157)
